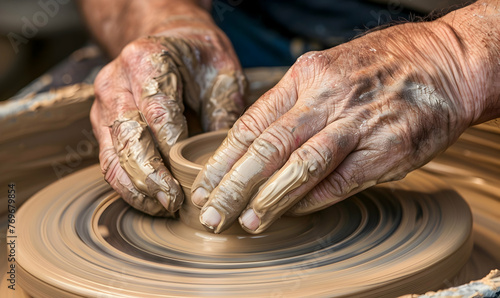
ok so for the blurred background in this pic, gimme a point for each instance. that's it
(34, 36)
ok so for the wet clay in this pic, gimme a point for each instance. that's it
(186, 160)
(247, 173)
(384, 242)
(471, 167)
(166, 88)
(216, 94)
(221, 107)
(215, 166)
(142, 162)
(271, 201)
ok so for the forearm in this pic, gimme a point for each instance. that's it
(116, 23)
(476, 32)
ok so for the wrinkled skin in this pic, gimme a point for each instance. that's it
(346, 118)
(139, 107)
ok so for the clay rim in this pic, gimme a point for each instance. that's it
(183, 155)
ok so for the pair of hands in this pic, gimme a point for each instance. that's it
(339, 121)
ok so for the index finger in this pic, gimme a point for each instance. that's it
(265, 155)
(243, 133)
(142, 162)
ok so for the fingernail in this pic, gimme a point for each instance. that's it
(250, 220)
(210, 218)
(162, 198)
(200, 196)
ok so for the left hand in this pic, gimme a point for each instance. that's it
(139, 108)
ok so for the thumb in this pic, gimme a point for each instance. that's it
(224, 103)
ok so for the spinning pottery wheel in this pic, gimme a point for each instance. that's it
(78, 238)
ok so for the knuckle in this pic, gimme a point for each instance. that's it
(260, 116)
(246, 130)
(276, 143)
(102, 81)
(316, 155)
(112, 95)
(135, 55)
(310, 70)
(336, 185)
(156, 113)
(313, 59)
(281, 97)
(133, 49)
(266, 150)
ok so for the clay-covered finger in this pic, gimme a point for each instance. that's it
(360, 170)
(264, 156)
(114, 173)
(161, 101)
(307, 166)
(142, 162)
(120, 181)
(224, 104)
(247, 128)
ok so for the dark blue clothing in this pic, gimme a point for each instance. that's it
(276, 32)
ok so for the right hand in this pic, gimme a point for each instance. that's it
(139, 106)
(344, 119)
